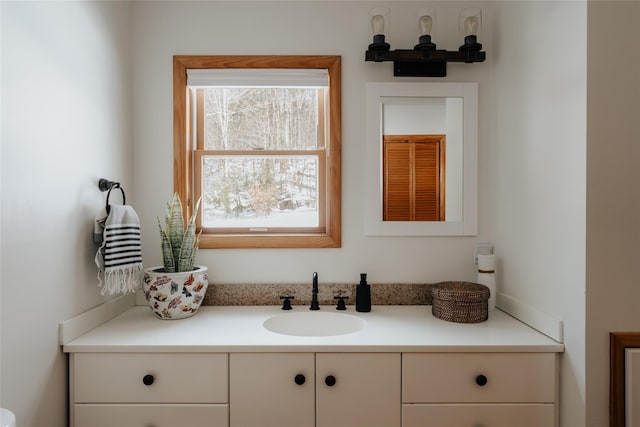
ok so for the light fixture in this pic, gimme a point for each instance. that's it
(469, 27)
(378, 17)
(425, 25)
(424, 60)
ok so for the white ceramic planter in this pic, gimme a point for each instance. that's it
(175, 295)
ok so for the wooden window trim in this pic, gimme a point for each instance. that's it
(184, 154)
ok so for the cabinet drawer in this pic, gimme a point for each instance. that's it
(92, 415)
(176, 378)
(478, 415)
(456, 377)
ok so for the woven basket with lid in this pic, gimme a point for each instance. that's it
(461, 302)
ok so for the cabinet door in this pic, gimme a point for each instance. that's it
(272, 389)
(366, 392)
(414, 177)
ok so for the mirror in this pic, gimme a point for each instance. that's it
(408, 113)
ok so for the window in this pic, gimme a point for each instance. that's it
(258, 140)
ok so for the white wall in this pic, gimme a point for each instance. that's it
(613, 197)
(403, 116)
(66, 121)
(162, 29)
(537, 163)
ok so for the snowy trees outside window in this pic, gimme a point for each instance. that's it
(270, 180)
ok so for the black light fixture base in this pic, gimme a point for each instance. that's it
(424, 63)
(419, 69)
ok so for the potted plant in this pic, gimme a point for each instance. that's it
(176, 289)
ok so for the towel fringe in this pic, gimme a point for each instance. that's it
(120, 281)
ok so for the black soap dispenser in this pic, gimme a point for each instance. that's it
(363, 295)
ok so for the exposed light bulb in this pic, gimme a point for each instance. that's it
(424, 23)
(377, 24)
(378, 17)
(471, 24)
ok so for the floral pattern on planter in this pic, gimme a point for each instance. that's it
(175, 295)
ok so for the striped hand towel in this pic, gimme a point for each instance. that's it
(120, 256)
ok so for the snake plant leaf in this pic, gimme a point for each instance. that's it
(175, 226)
(167, 253)
(179, 244)
(188, 249)
(167, 215)
(188, 261)
(189, 246)
(198, 239)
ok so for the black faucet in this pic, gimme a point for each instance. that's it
(314, 291)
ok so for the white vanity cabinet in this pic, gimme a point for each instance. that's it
(223, 368)
(149, 389)
(321, 389)
(479, 389)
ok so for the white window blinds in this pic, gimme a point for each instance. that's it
(271, 77)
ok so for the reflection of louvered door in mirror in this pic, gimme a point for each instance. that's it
(414, 184)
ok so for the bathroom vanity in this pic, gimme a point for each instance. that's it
(396, 366)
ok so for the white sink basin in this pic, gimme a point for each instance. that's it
(314, 324)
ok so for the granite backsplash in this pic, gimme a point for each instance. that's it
(269, 293)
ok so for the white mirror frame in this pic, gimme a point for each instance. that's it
(375, 94)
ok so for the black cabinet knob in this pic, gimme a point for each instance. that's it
(330, 380)
(481, 380)
(299, 379)
(147, 379)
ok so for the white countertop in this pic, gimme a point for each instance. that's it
(239, 329)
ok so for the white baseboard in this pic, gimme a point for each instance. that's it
(543, 322)
(90, 319)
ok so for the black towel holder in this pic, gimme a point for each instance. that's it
(106, 185)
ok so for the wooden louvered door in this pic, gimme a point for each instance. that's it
(414, 177)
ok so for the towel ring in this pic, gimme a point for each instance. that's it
(106, 185)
